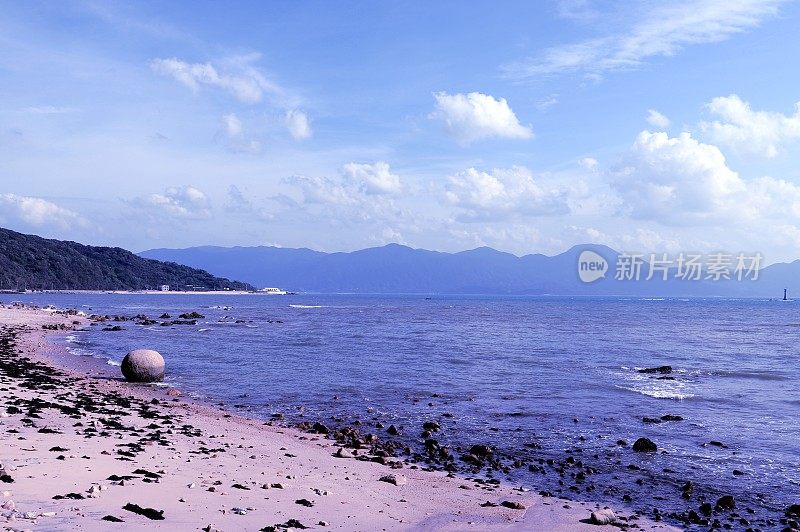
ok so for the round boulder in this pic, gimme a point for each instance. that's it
(143, 365)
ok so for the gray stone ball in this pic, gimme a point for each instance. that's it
(143, 365)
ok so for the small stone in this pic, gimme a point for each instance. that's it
(514, 505)
(606, 516)
(397, 480)
(343, 453)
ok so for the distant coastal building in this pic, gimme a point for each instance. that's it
(273, 291)
(164, 288)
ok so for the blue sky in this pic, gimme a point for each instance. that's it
(525, 126)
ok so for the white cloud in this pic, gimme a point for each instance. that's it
(37, 212)
(373, 178)
(298, 124)
(546, 103)
(475, 116)
(676, 180)
(660, 29)
(234, 132)
(239, 204)
(232, 125)
(751, 132)
(50, 110)
(588, 163)
(241, 79)
(177, 202)
(322, 190)
(656, 119)
(503, 192)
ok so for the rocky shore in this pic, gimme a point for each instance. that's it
(83, 450)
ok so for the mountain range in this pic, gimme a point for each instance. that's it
(400, 269)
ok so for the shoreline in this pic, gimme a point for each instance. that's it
(204, 466)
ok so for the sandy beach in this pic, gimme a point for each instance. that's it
(83, 450)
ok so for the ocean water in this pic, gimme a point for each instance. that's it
(534, 377)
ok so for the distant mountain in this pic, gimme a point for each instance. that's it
(399, 269)
(31, 262)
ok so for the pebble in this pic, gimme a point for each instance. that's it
(397, 480)
(606, 516)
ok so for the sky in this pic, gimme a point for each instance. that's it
(651, 126)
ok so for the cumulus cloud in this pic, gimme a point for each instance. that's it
(656, 119)
(746, 131)
(238, 203)
(503, 192)
(37, 212)
(232, 125)
(233, 131)
(239, 78)
(476, 116)
(298, 124)
(322, 190)
(588, 163)
(657, 29)
(675, 179)
(177, 202)
(372, 178)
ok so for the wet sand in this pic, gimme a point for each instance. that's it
(81, 449)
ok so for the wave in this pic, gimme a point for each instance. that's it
(763, 375)
(112, 362)
(307, 306)
(657, 393)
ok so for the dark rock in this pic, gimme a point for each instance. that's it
(191, 316)
(659, 369)
(514, 505)
(793, 511)
(304, 502)
(431, 426)
(112, 519)
(392, 430)
(481, 451)
(669, 417)
(150, 513)
(644, 445)
(726, 502)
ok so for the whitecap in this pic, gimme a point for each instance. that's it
(306, 306)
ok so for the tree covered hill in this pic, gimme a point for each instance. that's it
(35, 263)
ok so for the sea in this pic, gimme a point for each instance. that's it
(535, 378)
